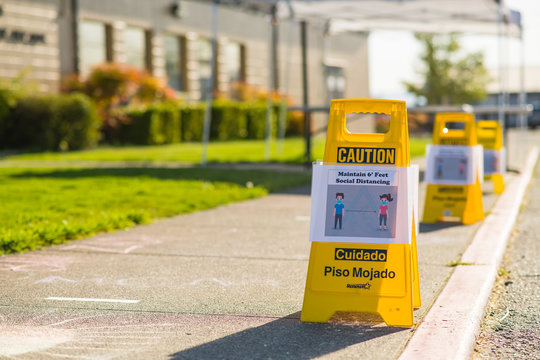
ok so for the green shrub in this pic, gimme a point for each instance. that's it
(295, 123)
(33, 124)
(154, 124)
(7, 102)
(143, 126)
(192, 122)
(78, 122)
(10, 93)
(52, 122)
(113, 86)
(256, 120)
(170, 122)
(229, 120)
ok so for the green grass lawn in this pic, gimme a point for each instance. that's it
(43, 206)
(417, 146)
(230, 151)
(49, 206)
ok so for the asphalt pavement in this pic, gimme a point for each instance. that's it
(225, 283)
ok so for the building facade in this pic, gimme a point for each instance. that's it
(49, 39)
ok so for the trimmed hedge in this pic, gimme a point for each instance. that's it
(256, 120)
(51, 122)
(71, 122)
(191, 121)
(170, 123)
(78, 122)
(161, 123)
(155, 124)
(229, 121)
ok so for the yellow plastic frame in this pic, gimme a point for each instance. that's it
(394, 304)
(437, 200)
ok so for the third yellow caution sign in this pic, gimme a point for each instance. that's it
(490, 136)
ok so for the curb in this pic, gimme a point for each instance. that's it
(450, 328)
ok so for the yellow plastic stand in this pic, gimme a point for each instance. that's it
(448, 202)
(417, 302)
(393, 295)
(490, 136)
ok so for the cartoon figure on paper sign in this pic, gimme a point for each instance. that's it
(439, 168)
(462, 166)
(339, 210)
(495, 162)
(383, 209)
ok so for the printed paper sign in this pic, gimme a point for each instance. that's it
(494, 161)
(359, 204)
(455, 165)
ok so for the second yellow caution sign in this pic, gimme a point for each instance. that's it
(454, 171)
(363, 223)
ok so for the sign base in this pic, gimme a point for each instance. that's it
(391, 298)
(462, 203)
(498, 183)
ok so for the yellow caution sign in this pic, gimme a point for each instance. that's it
(490, 136)
(363, 220)
(454, 171)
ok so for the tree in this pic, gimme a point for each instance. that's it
(450, 78)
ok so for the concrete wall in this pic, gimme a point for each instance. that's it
(29, 42)
(253, 30)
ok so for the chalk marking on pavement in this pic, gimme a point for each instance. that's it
(34, 262)
(302, 218)
(221, 282)
(70, 320)
(131, 248)
(93, 300)
(505, 315)
(100, 249)
(51, 279)
(449, 329)
(17, 340)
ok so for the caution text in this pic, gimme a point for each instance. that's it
(360, 155)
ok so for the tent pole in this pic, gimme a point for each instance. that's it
(275, 42)
(500, 102)
(502, 95)
(75, 35)
(523, 93)
(307, 113)
(272, 81)
(283, 106)
(209, 87)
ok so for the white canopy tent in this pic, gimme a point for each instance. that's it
(431, 16)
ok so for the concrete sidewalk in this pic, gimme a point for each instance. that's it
(226, 283)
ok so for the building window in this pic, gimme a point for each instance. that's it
(335, 82)
(233, 61)
(173, 62)
(92, 45)
(135, 47)
(204, 58)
